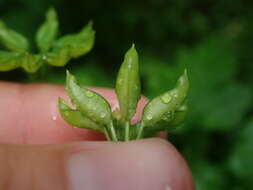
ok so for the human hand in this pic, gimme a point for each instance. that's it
(40, 151)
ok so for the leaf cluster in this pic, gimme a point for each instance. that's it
(53, 51)
(93, 112)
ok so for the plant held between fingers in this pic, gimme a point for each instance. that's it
(93, 112)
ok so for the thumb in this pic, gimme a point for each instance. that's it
(138, 165)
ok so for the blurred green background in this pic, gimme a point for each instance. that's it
(213, 39)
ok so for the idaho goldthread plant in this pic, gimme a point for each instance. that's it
(52, 51)
(93, 112)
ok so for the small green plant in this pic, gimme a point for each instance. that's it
(52, 51)
(93, 112)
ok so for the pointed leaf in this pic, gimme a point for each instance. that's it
(47, 31)
(76, 118)
(179, 116)
(91, 104)
(71, 46)
(166, 104)
(12, 39)
(9, 60)
(128, 86)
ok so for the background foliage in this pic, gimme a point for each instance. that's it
(213, 39)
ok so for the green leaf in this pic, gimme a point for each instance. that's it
(179, 116)
(128, 86)
(47, 31)
(13, 40)
(9, 60)
(71, 46)
(76, 118)
(164, 106)
(240, 161)
(58, 58)
(90, 104)
(168, 122)
(31, 63)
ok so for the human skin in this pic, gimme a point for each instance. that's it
(39, 150)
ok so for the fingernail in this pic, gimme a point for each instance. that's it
(82, 173)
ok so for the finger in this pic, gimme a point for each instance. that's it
(29, 114)
(137, 165)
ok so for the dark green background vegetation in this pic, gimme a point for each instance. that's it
(212, 38)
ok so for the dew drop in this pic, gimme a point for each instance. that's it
(166, 98)
(54, 118)
(103, 115)
(89, 94)
(129, 66)
(149, 117)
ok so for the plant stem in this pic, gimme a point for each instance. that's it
(113, 133)
(140, 130)
(127, 131)
(107, 134)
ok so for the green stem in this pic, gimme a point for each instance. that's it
(107, 134)
(113, 133)
(140, 131)
(127, 131)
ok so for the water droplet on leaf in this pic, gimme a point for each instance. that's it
(166, 98)
(89, 94)
(149, 117)
(103, 115)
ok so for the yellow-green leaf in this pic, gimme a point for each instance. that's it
(47, 31)
(165, 105)
(9, 60)
(31, 63)
(76, 118)
(12, 39)
(128, 86)
(90, 104)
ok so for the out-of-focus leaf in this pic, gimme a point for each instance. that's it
(241, 159)
(12, 39)
(9, 60)
(209, 177)
(233, 101)
(71, 46)
(47, 31)
(31, 63)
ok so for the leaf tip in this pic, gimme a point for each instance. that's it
(68, 77)
(90, 24)
(51, 13)
(132, 51)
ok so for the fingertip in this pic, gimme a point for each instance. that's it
(143, 165)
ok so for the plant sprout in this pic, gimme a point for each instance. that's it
(52, 50)
(93, 112)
